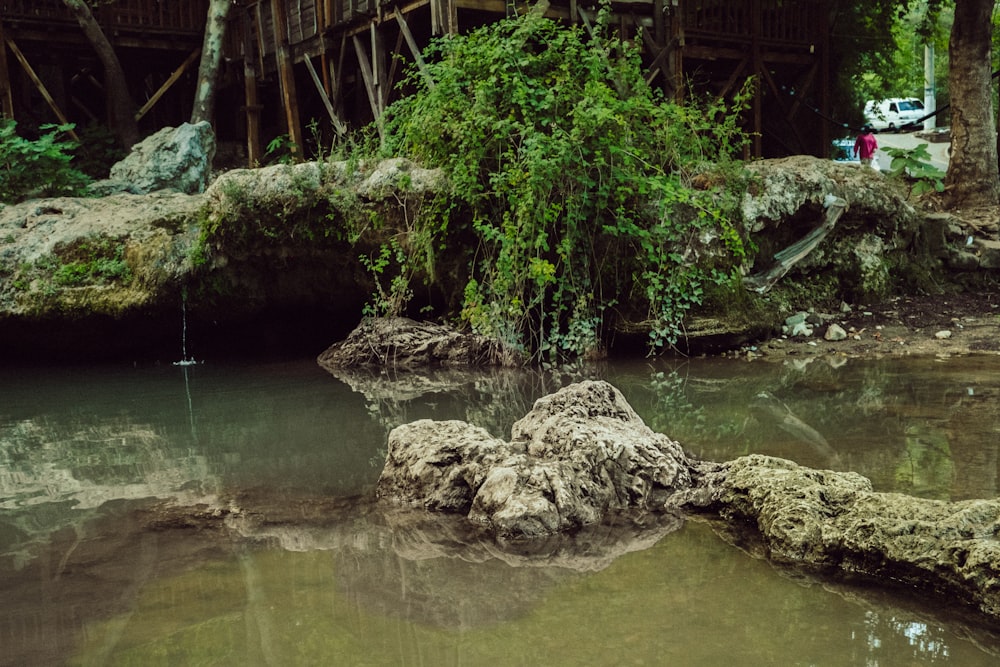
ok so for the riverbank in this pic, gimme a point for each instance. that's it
(938, 325)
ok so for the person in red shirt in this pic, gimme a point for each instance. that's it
(865, 146)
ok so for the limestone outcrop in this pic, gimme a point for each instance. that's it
(833, 521)
(582, 455)
(578, 455)
(399, 342)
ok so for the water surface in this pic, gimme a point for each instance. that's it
(117, 546)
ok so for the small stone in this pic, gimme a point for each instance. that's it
(797, 318)
(835, 332)
(845, 307)
(943, 334)
(802, 329)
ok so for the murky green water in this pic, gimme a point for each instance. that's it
(111, 550)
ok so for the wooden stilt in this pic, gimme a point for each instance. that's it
(338, 124)
(41, 87)
(369, 79)
(286, 75)
(404, 30)
(758, 66)
(167, 84)
(252, 108)
(6, 90)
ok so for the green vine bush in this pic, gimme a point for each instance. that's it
(574, 182)
(37, 168)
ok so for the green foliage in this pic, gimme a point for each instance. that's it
(391, 264)
(572, 178)
(280, 150)
(38, 168)
(914, 165)
(98, 151)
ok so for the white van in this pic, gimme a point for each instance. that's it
(893, 113)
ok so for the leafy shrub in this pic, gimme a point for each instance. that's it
(37, 168)
(915, 165)
(575, 178)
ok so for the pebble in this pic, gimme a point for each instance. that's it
(943, 334)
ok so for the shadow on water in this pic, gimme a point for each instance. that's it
(219, 515)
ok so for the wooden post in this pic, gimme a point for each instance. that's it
(6, 89)
(659, 34)
(252, 106)
(369, 79)
(167, 84)
(758, 66)
(286, 75)
(41, 87)
(404, 29)
(824, 83)
(338, 124)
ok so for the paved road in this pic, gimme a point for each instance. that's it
(910, 140)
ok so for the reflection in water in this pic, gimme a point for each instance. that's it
(115, 546)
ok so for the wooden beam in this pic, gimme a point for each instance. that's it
(394, 61)
(6, 89)
(41, 87)
(167, 84)
(404, 29)
(369, 80)
(338, 124)
(252, 106)
(286, 76)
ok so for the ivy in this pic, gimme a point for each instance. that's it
(574, 180)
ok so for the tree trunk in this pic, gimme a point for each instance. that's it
(121, 109)
(211, 57)
(973, 178)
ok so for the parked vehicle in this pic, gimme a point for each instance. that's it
(893, 113)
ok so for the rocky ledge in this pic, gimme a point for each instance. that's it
(582, 455)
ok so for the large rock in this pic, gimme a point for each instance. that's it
(578, 455)
(177, 159)
(399, 342)
(831, 520)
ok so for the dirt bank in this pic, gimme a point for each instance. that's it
(942, 325)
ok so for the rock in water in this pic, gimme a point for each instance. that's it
(400, 342)
(579, 454)
(827, 519)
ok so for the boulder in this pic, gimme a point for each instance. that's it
(580, 454)
(835, 521)
(400, 342)
(177, 159)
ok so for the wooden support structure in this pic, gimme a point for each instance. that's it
(6, 89)
(251, 106)
(167, 84)
(41, 87)
(711, 45)
(338, 124)
(286, 74)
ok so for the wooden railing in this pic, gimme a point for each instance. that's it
(774, 21)
(173, 16)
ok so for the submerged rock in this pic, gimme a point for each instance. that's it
(400, 342)
(833, 520)
(579, 454)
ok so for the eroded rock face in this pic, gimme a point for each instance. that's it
(579, 454)
(399, 342)
(834, 520)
